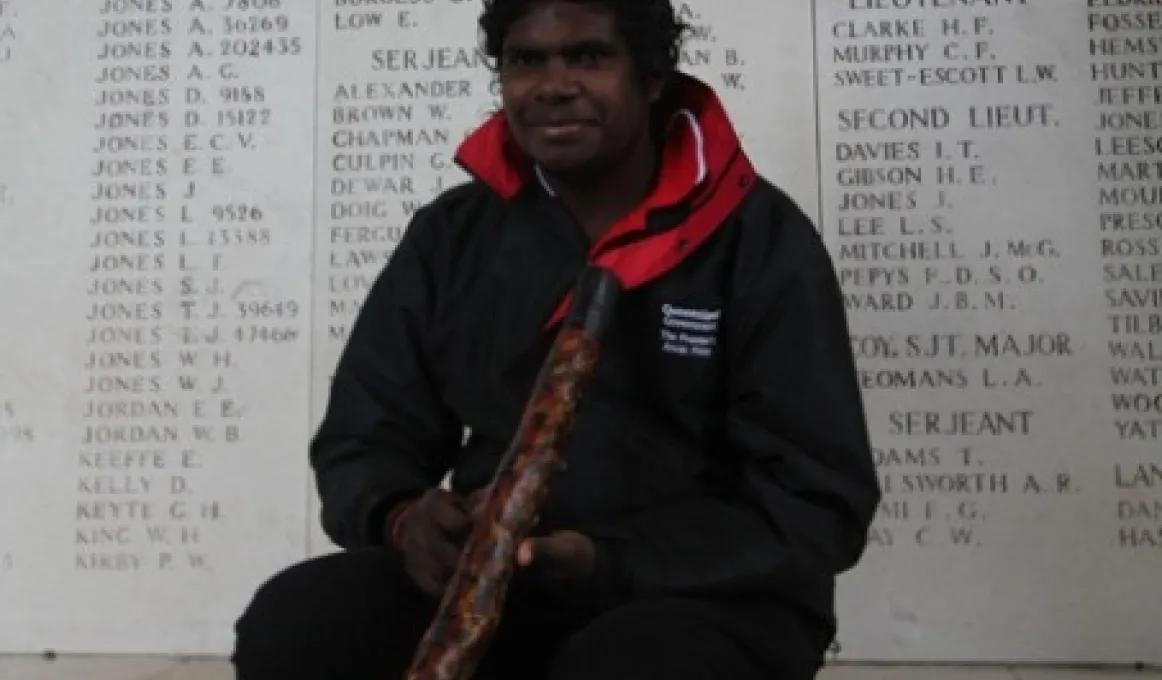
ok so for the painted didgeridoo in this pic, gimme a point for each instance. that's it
(473, 601)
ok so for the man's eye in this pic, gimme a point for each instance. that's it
(523, 59)
(588, 57)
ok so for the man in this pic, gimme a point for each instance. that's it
(719, 473)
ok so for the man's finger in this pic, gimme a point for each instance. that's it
(443, 573)
(452, 498)
(429, 585)
(553, 546)
(446, 555)
(425, 579)
(525, 552)
(451, 519)
(434, 499)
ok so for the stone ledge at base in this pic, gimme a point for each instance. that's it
(163, 668)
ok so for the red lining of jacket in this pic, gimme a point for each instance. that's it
(493, 157)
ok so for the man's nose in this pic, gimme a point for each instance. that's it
(558, 80)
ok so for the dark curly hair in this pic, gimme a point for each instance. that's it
(651, 29)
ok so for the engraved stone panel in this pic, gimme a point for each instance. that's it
(156, 290)
(990, 179)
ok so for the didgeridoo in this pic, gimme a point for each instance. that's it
(473, 601)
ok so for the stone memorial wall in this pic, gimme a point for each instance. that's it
(195, 196)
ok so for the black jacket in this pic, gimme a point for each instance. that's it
(722, 446)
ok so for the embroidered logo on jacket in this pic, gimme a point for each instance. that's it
(687, 331)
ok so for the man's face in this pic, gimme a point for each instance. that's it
(569, 89)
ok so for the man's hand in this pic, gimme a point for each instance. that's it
(433, 533)
(560, 557)
(476, 500)
(431, 536)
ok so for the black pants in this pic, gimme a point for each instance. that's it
(356, 615)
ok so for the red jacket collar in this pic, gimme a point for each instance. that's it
(703, 167)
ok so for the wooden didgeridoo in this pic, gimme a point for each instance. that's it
(473, 601)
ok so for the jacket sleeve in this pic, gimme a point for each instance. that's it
(802, 493)
(386, 435)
